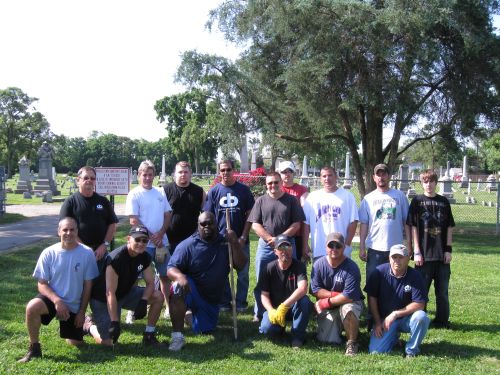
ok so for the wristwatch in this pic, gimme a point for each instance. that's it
(106, 243)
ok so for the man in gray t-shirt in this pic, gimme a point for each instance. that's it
(273, 214)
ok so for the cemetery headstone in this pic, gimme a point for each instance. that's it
(45, 179)
(347, 178)
(445, 185)
(24, 182)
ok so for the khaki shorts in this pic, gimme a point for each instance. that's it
(330, 321)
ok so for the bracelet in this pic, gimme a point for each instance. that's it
(419, 254)
(243, 238)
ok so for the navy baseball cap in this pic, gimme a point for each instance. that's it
(282, 239)
(138, 231)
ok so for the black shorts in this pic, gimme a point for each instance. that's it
(67, 329)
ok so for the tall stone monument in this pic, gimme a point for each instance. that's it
(445, 184)
(163, 176)
(347, 178)
(304, 178)
(464, 180)
(403, 177)
(45, 181)
(24, 182)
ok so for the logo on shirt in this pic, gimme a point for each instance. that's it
(140, 267)
(99, 207)
(328, 213)
(77, 267)
(229, 201)
(291, 278)
(407, 288)
(387, 211)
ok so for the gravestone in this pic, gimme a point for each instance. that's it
(26, 195)
(134, 177)
(464, 180)
(403, 177)
(45, 179)
(163, 176)
(24, 182)
(32, 176)
(253, 163)
(479, 184)
(347, 178)
(445, 185)
(47, 196)
(304, 179)
(491, 183)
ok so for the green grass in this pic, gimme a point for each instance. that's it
(472, 347)
(8, 218)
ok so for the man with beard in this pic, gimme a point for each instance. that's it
(199, 269)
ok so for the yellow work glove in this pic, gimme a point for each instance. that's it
(273, 316)
(281, 314)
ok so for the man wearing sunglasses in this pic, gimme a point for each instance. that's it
(335, 282)
(237, 197)
(95, 217)
(273, 214)
(199, 269)
(116, 288)
(284, 294)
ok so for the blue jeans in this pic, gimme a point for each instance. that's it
(440, 273)
(264, 256)
(298, 314)
(241, 284)
(416, 325)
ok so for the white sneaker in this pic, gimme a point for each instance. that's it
(177, 344)
(129, 319)
(166, 313)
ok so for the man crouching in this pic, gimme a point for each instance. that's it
(115, 289)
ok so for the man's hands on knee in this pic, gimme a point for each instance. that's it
(62, 311)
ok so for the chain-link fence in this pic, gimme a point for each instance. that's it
(475, 207)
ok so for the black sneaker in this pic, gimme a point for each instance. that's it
(149, 339)
(34, 351)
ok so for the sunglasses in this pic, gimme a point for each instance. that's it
(86, 178)
(270, 183)
(205, 223)
(284, 247)
(226, 170)
(334, 245)
(141, 240)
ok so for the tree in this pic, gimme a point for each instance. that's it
(22, 130)
(185, 116)
(343, 69)
(491, 151)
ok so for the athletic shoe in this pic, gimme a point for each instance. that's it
(149, 339)
(297, 344)
(177, 344)
(34, 351)
(188, 318)
(87, 324)
(129, 319)
(351, 348)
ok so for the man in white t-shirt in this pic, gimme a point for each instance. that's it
(329, 210)
(147, 206)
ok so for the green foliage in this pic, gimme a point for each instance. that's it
(347, 70)
(491, 151)
(22, 128)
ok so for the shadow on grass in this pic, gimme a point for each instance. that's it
(453, 350)
(488, 328)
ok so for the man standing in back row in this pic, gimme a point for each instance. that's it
(93, 213)
(237, 197)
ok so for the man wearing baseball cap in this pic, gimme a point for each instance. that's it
(116, 288)
(397, 298)
(335, 282)
(287, 171)
(283, 286)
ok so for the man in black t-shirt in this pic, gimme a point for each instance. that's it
(186, 200)
(93, 213)
(432, 223)
(283, 288)
(115, 288)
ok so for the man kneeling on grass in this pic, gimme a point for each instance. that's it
(397, 297)
(64, 271)
(198, 269)
(115, 288)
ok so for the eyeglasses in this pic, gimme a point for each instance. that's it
(284, 247)
(272, 183)
(86, 178)
(226, 170)
(334, 245)
(205, 223)
(141, 240)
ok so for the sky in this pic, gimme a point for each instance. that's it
(102, 64)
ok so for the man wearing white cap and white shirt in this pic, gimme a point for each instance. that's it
(397, 298)
(328, 210)
(287, 170)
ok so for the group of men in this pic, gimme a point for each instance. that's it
(187, 237)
